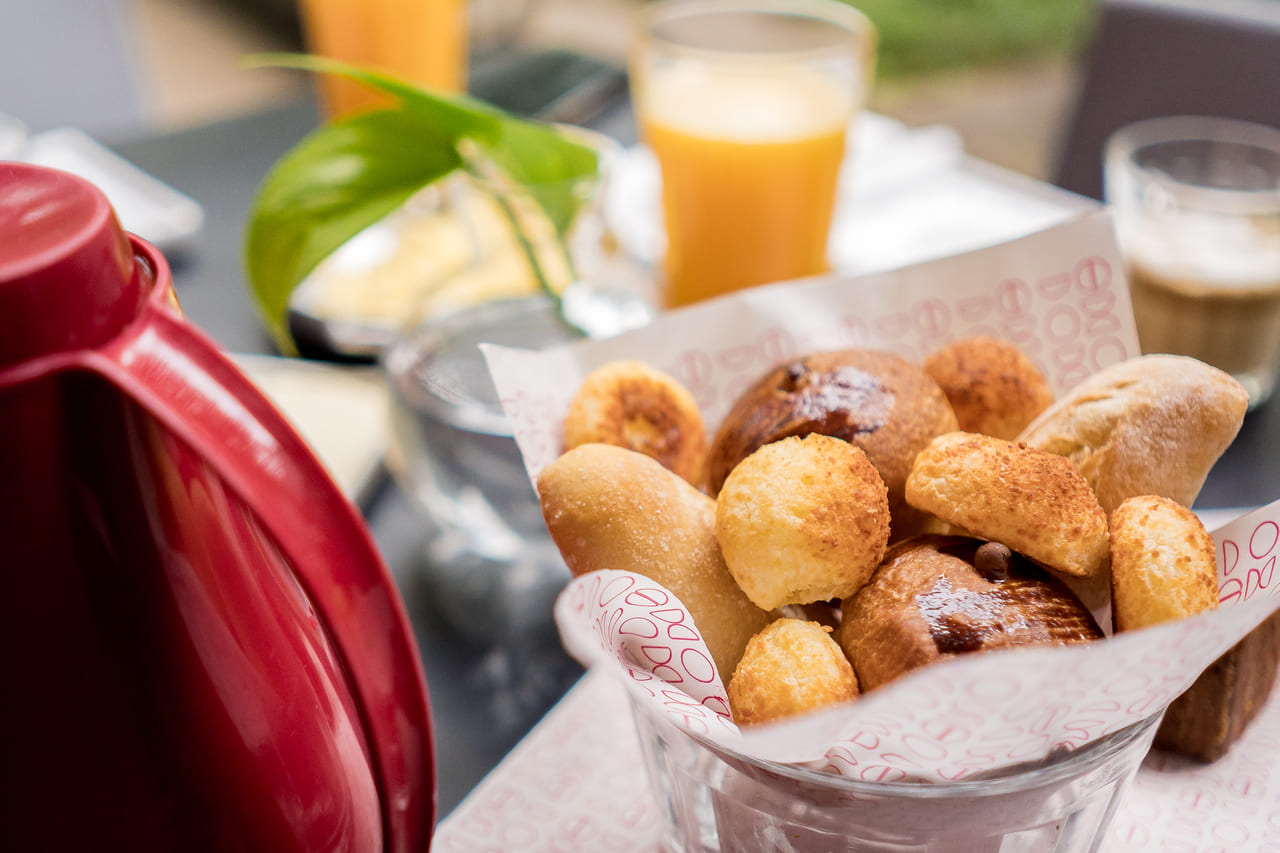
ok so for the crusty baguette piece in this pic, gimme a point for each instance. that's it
(612, 508)
(1152, 425)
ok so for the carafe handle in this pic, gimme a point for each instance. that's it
(181, 378)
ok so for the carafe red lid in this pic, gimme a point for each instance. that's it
(69, 278)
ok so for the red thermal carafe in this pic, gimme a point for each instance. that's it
(201, 649)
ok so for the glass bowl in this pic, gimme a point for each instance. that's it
(714, 799)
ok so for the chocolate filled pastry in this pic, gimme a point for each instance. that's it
(876, 401)
(936, 597)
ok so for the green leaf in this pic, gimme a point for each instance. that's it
(338, 181)
(556, 171)
(345, 176)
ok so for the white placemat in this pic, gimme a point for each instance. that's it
(577, 783)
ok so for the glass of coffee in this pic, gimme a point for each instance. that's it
(1197, 208)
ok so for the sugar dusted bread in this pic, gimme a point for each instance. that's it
(1153, 425)
(612, 508)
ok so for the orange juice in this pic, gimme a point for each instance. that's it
(750, 162)
(422, 41)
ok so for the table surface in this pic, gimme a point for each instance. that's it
(485, 694)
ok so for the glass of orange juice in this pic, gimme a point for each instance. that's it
(746, 104)
(422, 41)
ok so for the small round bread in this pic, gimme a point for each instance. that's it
(875, 400)
(1035, 502)
(802, 520)
(991, 384)
(936, 597)
(790, 667)
(630, 404)
(1163, 564)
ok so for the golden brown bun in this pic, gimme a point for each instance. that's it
(612, 508)
(927, 602)
(1034, 502)
(991, 384)
(1163, 563)
(802, 520)
(790, 667)
(875, 400)
(1205, 721)
(630, 404)
(1153, 425)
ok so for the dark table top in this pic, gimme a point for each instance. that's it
(486, 694)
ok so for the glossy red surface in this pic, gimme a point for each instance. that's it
(202, 648)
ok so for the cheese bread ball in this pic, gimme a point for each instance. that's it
(802, 520)
(790, 667)
(1163, 563)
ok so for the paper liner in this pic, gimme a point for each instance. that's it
(1061, 296)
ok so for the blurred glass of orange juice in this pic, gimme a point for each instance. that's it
(746, 106)
(422, 41)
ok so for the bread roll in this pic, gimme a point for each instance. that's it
(1153, 425)
(611, 508)
(874, 400)
(630, 404)
(991, 384)
(790, 667)
(1163, 564)
(928, 601)
(1032, 501)
(802, 520)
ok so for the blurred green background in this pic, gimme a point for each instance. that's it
(921, 37)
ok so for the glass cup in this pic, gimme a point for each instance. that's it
(491, 560)
(422, 41)
(713, 799)
(1197, 211)
(746, 105)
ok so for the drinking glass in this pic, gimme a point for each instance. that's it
(1197, 209)
(490, 559)
(746, 105)
(422, 41)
